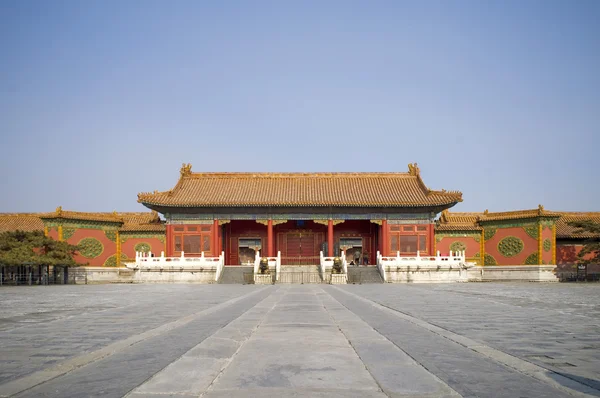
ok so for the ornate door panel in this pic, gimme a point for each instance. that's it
(300, 247)
(293, 244)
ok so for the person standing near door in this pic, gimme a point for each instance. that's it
(357, 257)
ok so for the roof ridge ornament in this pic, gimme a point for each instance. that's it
(59, 211)
(445, 216)
(413, 169)
(186, 169)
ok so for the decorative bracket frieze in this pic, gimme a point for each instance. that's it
(273, 222)
(326, 222)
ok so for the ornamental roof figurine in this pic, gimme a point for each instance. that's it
(413, 169)
(186, 169)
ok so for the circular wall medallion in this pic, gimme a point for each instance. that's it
(489, 259)
(90, 247)
(532, 259)
(143, 247)
(112, 260)
(458, 246)
(547, 245)
(510, 246)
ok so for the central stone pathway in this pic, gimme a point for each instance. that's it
(295, 343)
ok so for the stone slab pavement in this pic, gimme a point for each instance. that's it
(470, 340)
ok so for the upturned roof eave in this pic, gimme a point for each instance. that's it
(154, 205)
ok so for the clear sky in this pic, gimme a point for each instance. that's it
(100, 100)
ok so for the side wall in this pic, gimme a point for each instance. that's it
(469, 243)
(154, 244)
(547, 245)
(511, 245)
(97, 246)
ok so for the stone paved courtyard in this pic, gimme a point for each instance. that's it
(470, 340)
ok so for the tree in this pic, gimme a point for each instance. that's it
(33, 248)
(590, 253)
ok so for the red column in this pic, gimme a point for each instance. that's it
(270, 248)
(385, 243)
(431, 239)
(215, 251)
(220, 239)
(330, 239)
(169, 242)
(380, 239)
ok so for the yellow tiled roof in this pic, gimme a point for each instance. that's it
(21, 221)
(564, 230)
(457, 221)
(300, 189)
(130, 221)
(80, 215)
(518, 214)
(141, 222)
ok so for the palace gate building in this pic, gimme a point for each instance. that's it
(300, 214)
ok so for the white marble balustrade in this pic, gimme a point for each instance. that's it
(145, 261)
(454, 259)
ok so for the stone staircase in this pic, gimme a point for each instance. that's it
(237, 274)
(360, 275)
(299, 268)
(300, 274)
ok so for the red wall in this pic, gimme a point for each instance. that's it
(357, 228)
(53, 233)
(547, 255)
(530, 246)
(110, 247)
(473, 246)
(566, 253)
(171, 232)
(242, 228)
(429, 233)
(247, 228)
(128, 247)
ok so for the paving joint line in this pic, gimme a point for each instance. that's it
(231, 358)
(526, 368)
(128, 393)
(430, 371)
(34, 379)
(349, 342)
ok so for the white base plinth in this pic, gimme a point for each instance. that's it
(525, 273)
(263, 279)
(339, 279)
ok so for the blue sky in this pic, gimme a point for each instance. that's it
(100, 100)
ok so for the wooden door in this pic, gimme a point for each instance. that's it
(300, 248)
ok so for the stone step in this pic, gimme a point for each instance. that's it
(299, 268)
(367, 274)
(237, 275)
